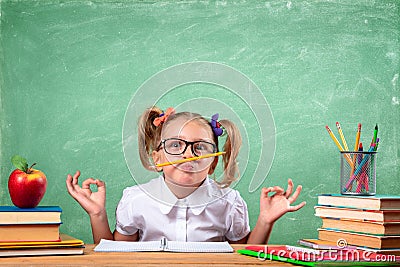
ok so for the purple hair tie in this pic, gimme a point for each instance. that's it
(215, 125)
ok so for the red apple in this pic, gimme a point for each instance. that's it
(26, 185)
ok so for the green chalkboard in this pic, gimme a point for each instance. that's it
(70, 69)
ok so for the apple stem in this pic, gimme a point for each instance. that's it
(29, 170)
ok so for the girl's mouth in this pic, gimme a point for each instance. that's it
(187, 166)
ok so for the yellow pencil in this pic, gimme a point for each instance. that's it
(357, 137)
(348, 159)
(342, 136)
(334, 138)
(190, 159)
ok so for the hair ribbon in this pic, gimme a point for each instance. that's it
(215, 125)
(163, 116)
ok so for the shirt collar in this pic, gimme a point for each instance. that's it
(197, 201)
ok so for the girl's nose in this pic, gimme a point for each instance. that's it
(188, 153)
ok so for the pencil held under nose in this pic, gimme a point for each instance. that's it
(189, 159)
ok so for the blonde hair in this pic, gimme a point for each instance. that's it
(149, 138)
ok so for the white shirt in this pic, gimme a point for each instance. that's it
(208, 214)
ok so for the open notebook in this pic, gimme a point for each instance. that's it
(162, 245)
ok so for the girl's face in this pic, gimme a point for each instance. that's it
(192, 173)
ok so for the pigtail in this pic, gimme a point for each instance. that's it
(148, 135)
(231, 149)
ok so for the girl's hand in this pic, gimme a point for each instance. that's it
(92, 202)
(274, 206)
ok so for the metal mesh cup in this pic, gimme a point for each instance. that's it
(357, 173)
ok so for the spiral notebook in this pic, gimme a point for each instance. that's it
(162, 245)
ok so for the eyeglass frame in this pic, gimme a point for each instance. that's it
(187, 143)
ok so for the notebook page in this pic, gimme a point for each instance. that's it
(178, 246)
(125, 246)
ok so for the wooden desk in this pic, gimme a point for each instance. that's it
(91, 258)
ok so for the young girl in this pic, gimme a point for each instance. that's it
(184, 203)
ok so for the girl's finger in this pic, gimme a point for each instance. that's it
(295, 194)
(289, 189)
(277, 189)
(75, 177)
(101, 186)
(86, 184)
(68, 182)
(264, 192)
(297, 207)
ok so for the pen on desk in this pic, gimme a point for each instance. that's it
(348, 159)
(342, 136)
(190, 159)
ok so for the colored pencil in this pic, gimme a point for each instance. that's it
(348, 159)
(356, 148)
(357, 137)
(375, 134)
(342, 136)
(334, 138)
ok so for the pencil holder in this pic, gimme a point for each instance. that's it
(357, 173)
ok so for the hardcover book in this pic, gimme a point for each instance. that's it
(41, 252)
(66, 246)
(369, 227)
(377, 202)
(327, 245)
(359, 239)
(40, 214)
(66, 241)
(358, 214)
(29, 232)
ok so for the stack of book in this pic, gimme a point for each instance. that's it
(35, 231)
(363, 222)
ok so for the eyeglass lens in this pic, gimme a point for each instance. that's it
(176, 146)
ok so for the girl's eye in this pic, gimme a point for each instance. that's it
(203, 148)
(174, 145)
(200, 147)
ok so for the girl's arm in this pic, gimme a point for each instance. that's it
(271, 209)
(94, 204)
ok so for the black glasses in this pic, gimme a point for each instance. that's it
(176, 146)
